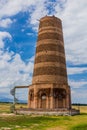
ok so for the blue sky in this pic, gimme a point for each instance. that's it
(19, 21)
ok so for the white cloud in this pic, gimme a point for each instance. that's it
(77, 84)
(4, 35)
(15, 72)
(12, 7)
(30, 34)
(78, 91)
(79, 96)
(74, 18)
(36, 8)
(76, 70)
(5, 22)
(38, 12)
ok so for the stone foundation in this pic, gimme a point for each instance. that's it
(61, 112)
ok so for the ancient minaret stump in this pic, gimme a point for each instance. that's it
(49, 89)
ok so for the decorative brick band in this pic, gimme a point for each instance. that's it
(50, 28)
(50, 70)
(49, 58)
(50, 36)
(50, 47)
(46, 30)
(49, 79)
(50, 53)
(50, 41)
(46, 64)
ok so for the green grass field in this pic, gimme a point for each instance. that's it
(22, 122)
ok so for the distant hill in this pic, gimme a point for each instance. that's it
(5, 99)
(79, 104)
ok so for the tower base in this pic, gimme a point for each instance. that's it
(49, 96)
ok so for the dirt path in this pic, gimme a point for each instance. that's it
(7, 114)
(56, 128)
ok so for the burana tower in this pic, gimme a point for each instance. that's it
(49, 89)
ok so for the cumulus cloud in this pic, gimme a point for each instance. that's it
(75, 33)
(12, 7)
(39, 11)
(78, 91)
(76, 70)
(77, 84)
(4, 35)
(5, 22)
(79, 96)
(14, 70)
(30, 34)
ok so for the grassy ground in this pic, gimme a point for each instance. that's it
(22, 122)
(5, 107)
(83, 109)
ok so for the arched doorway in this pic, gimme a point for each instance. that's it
(43, 100)
(60, 101)
(59, 97)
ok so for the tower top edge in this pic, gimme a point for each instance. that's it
(50, 17)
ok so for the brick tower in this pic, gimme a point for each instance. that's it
(49, 89)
